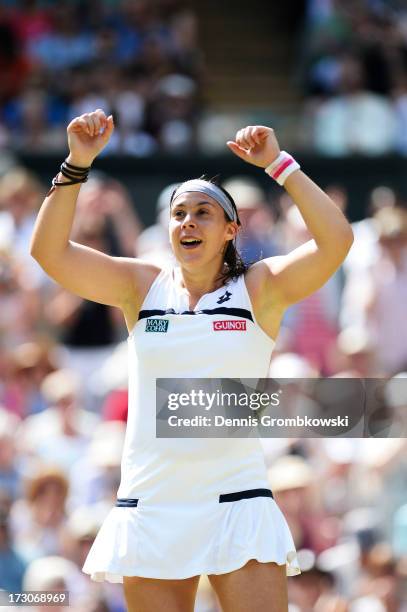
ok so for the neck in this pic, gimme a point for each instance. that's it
(199, 282)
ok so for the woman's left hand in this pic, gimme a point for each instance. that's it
(255, 144)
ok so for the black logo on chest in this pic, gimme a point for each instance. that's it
(224, 298)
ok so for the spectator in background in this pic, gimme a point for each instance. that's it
(111, 383)
(20, 303)
(185, 53)
(27, 366)
(385, 307)
(355, 121)
(153, 244)
(20, 198)
(105, 207)
(315, 591)
(378, 587)
(365, 249)
(257, 240)
(31, 111)
(59, 434)
(38, 521)
(54, 573)
(291, 478)
(356, 341)
(95, 476)
(355, 353)
(36, 123)
(171, 113)
(130, 103)
(83, 525)
(78, 323)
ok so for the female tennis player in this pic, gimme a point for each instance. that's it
(187, 507)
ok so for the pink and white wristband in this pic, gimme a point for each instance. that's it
(281, 168)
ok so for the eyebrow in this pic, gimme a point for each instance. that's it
(197, 203)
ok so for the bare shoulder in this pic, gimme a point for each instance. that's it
(262, 283)
(142, 276)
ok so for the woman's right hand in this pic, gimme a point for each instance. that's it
(87, 136)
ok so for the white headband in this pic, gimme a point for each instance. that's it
(211, 190)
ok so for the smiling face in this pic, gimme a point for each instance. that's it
(199, 230)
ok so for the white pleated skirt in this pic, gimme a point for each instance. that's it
(176, 541)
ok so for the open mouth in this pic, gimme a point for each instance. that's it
(190, 243)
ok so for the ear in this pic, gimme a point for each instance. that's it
(231, 230)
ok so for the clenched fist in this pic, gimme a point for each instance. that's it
(87, 136)
(255, 144)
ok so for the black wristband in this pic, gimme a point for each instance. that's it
(57, 183)
(75, 174)
(68, 174)
(72, 172)
(78, 168)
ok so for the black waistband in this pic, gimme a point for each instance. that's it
(231, 497)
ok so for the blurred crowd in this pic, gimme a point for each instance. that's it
(142, 61)
(137, 59)
(354, 75)
(63, 399)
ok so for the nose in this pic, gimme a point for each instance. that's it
(188, 221)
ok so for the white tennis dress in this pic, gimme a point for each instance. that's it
(190, 506)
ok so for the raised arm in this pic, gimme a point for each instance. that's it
(93, 275)
(294, 276)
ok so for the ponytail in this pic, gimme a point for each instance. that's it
(235, 266)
